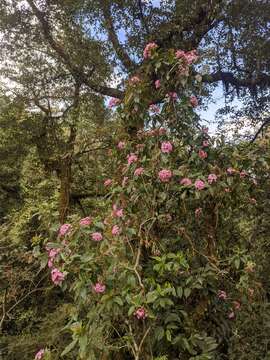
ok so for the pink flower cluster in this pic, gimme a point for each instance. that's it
(157, 84)
(121, 145)
(96, 236)
(231, 171)
(52, 254)
(165, 175)
(114, 102)
(186, 182)
(166, 147)
(189, 57)
(64, 229)
(139, 171)
(202, 154)
(40, 354)
(140, 313)
(198, 212)
(222, 295)
(116, 230)
(57, 276)
(148, 50)
(205, 143)
(132, 158)
(172, 95)
(86, 221)
(117, 212)
(199, 184)
(108, 182)
(99, 288)
(212, 178)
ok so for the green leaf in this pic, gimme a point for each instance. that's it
(187, 292)
(69, 347)
(168, 335)
(159, 333)
(118, 301)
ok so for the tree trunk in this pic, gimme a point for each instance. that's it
(65, 186)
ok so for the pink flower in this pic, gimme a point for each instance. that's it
(222, 295)
(148, 50)
(108, 182)
(140, 313)
(157, 84)
(99, 288)
(64, 229)
(243, 174)
(186, 182)
(116, 230)
(193, 101)
(166, 147)
(57, 276)
(125, 180)
(236, 305)
(199, 184)
(165, 175)
(134, 80)
(154, 108)
(97, 236)
(139, 171)
(53, 253)
(205, 143)
(202, 154)
(231, 171)
(212, 178)
(191, 56)
(117, 212)
(227, 190)
(253, 201)
(121, 145)
(114, 102)
(231, 315)
(180, 54)
(40, 354)
(198, 212)
(85, 221)
(172, 95)
(50, 263)
(132, 158)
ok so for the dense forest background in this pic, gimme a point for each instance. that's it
(164, 253)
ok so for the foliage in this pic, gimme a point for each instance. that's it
(173, 271)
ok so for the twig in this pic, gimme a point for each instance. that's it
(266, 122)
(4, 310)
(141, 343)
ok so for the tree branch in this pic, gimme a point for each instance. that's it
(264, 124)
(77, 73)
(262, 80)
(118, 48)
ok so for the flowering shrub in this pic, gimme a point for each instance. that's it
(168, 271)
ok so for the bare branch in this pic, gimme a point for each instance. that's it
(264, 124)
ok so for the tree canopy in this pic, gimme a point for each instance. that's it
(129, 230)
